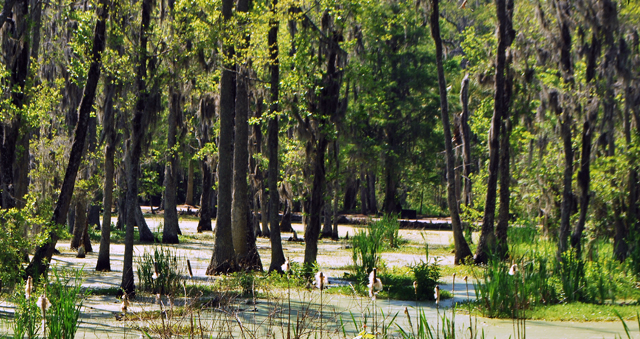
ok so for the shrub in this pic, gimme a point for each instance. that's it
(168, 275)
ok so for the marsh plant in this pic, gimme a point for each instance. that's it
(159, 272)
(56, 309)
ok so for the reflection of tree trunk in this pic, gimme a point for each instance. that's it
(461, 246)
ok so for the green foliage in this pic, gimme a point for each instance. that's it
(426, 275)
(158, 272)
(366, 246)
(66, 296)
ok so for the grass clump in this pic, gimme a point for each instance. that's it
(159, 272)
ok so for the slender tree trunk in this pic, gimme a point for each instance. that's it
(40, 261)
(584, 179)
(206, 114)
(134, 149)
(104, 262)
(502, 227)
(190, 183)
(223, 258)
(170, 231)
(277, 255)
(363, 193)
(466, 142)
(316, 204)
(461, 247)
(567, 195)
(487, 236)
(371, 185)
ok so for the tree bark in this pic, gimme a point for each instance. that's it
(487, 236)
(190, 183)
(584, 180)
(170, 231)
(205, 113)
(277, 255)
(223, 258)
(134, 149)
(461, 246)
(316, 204)
(467, 199)
(40, 261)
(16, 39)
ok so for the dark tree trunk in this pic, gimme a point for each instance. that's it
(461, 247)
(316, 204)
(326, 227)
(206, 114)
(190, 184)
(390, 205)
(40, 261)
(285, 224)
(15, 36)
(170, 231)
(584, 179)
(223, 258)
(363, 193)
(502, 227)
(371, 186)
(467, 199)
(567, 195)
(104, 261)
(134, 149)
(80, 222)
(277, 255)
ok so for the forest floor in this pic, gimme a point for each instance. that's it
(98, 317)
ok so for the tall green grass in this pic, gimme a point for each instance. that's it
(159, 272)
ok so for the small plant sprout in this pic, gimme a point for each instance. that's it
(321, 281)
(375, 284)
(158, 298)
(436, 294)
(189, 268)
(415, 287)
(513, 270)
(28, 288)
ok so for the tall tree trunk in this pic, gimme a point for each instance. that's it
(567, 195)
(371, 185)
(363, 192)
(277, 255)
(242, 232)
(15, 36)
(40, 261)
(461, 246)
(223, 258)
(134, 149)
(487, 236)
(104, 261)
(466, 142)
(80, 222)
(170, 231)
(584, 179)
(621, 247)
(316, 204)
(205, 113)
